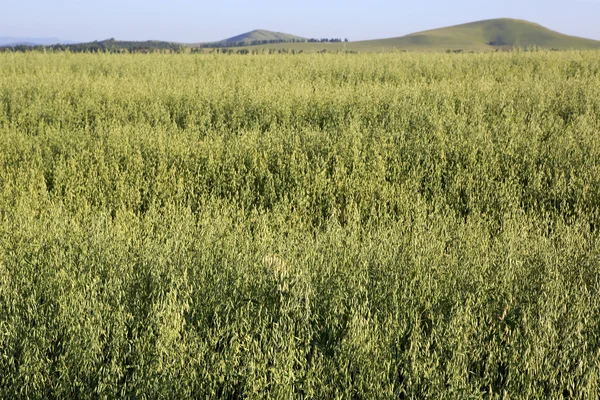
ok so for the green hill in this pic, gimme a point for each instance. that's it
(254, 38)
(478, 36)
(482, 36)
(260, 35)
(488, 35)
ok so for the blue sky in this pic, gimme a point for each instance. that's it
(197, 21)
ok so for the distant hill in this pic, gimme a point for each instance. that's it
(479, 36)
(30, 44)
(483, 35)
(253, 38)
(27, 41)
(488, 35)
(262, 35)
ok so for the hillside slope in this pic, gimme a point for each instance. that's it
(482, 36)
(261, 35)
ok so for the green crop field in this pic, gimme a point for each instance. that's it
(312, 226)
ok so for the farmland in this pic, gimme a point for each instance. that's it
(312, 226)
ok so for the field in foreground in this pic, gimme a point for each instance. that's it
(314, 226)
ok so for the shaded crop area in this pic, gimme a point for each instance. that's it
(310, 226)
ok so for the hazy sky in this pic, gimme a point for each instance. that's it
(199, 21)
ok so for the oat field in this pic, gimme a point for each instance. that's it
(316, 226)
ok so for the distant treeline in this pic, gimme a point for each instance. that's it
(110, 45)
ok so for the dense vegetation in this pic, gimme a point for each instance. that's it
(315, 226)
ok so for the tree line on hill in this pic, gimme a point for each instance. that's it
(104, 46)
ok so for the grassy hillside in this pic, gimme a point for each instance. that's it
(478, 36)
(483, 35)
(259, 35)
(254, 38)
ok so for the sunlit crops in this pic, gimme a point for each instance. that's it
(314, 226)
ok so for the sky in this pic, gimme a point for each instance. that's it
(191, 21)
